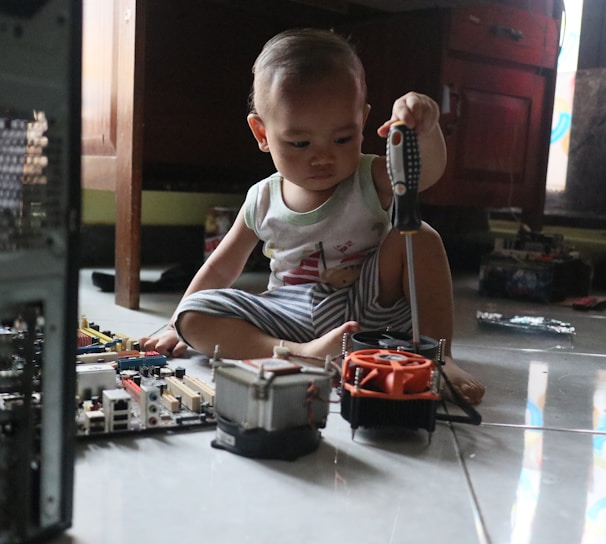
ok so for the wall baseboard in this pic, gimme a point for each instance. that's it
(160, 245)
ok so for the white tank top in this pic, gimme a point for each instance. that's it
(327, 244)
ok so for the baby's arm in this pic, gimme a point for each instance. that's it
(421, 113)
(220, 270)
(227, 261)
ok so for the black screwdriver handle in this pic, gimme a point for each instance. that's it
(404, 169)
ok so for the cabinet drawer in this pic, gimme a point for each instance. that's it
(505, 33)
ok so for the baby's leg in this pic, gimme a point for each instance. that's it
(239, 339)
(433, 288)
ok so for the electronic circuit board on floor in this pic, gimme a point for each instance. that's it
(122, 390)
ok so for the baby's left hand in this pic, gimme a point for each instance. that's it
(416, 111)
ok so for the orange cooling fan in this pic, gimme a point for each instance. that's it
(383, 387)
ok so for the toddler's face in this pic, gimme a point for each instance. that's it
(314, 131)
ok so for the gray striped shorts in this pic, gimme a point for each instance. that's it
(300, 313)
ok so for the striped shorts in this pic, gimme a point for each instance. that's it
(300, 313)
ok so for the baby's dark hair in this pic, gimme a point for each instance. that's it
(306, 54)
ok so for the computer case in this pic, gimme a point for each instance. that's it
(40, 105)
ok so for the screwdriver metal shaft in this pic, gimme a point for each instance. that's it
(412, 289)
(404, 167)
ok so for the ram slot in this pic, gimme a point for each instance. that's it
(106, 357)
(103, 338)
(126, 341)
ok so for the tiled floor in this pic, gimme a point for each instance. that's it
(533, 472)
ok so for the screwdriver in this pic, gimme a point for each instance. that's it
(404, 168)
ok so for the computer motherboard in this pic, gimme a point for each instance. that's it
(121, 389)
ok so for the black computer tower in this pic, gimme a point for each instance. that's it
(40, 105)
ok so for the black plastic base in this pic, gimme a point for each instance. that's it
(372, 412)
(261, 444)
(384, 339)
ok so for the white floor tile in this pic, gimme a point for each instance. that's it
(533, 472)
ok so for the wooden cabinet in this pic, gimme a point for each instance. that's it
(165, 88)
(493, 134)
(492, 70)
(498, 78)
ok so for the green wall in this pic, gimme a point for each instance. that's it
(158, 207)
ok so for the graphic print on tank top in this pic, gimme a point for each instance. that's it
(313, 268)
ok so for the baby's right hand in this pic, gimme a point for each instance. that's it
(166, 343)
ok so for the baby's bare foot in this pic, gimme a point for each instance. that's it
(469, 388)
(329, 344)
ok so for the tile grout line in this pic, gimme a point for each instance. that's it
(536, 428)
(566, 351)
(480, 524)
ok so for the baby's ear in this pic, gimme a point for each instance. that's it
(367, 108)
(258, 129)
